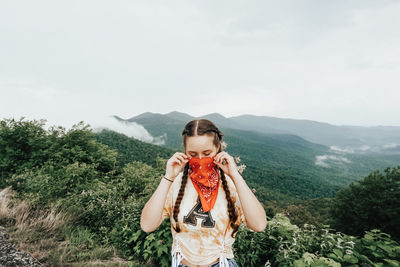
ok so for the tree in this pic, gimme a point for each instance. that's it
(373, 202)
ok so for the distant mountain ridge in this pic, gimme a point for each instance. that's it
(361, 139)
(280, 163)
(282, 166)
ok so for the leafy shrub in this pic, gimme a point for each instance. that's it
(284, 244)
(26, 146)
(52, 183)
(154, 247)
(377, 248)
(372, 203)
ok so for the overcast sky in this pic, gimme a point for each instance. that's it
(329, 61)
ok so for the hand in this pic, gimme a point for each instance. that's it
(175, 165)
(226, 163)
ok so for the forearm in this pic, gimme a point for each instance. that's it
(253, 210)
(152, 211)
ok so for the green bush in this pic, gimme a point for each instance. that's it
(371, 203)
(52, 183)
(25, 146)
(377, 248)
(284, 244)
(154, 247)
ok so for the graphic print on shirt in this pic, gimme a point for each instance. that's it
(197, 212)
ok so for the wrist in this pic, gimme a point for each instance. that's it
(168, 178)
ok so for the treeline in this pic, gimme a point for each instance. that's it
(104, 189)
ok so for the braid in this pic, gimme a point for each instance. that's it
(180, 196)
(231, 208)
(218, 132)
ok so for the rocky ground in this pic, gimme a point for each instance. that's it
(10, 257)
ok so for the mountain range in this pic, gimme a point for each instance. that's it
(361, 139)
(287, 157)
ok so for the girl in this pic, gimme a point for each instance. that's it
(206, 211)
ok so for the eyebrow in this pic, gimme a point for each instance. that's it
(203, 151)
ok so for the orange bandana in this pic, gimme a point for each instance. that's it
(204, 174)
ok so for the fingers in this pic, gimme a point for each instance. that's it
(175, 163)
(180, 158)
(223, 157)
(183, 158)
(219, 156)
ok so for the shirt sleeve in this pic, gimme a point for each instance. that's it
(167, 209)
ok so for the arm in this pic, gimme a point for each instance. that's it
(152, 211)
(253, 210)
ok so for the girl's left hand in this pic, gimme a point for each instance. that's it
(227, 163)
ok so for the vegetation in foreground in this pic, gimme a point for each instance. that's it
(68, 201)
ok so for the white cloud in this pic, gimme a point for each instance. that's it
(364, 148)
(339, 149)
(391, 145)
(327, 160)
(131, 129)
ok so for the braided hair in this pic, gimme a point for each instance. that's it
(202, 127)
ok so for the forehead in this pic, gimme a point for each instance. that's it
(199, 143)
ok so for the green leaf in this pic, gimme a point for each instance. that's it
(387, 249)
(350, 258)
(365, 258)
(272, 237)
(393, 263)
(299, 263)
(368, 236)
(333, 256)
(159, 251)
(338, 252)
(164, 262)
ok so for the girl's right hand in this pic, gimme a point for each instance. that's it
(175, 165)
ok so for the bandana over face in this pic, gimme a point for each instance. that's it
(204, 174)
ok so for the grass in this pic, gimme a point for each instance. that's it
(51, 238)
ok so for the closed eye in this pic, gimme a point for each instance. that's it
(204, 154)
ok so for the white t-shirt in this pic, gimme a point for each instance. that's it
(204, 237)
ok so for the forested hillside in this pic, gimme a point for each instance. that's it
(131, 149)
(284, 163)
